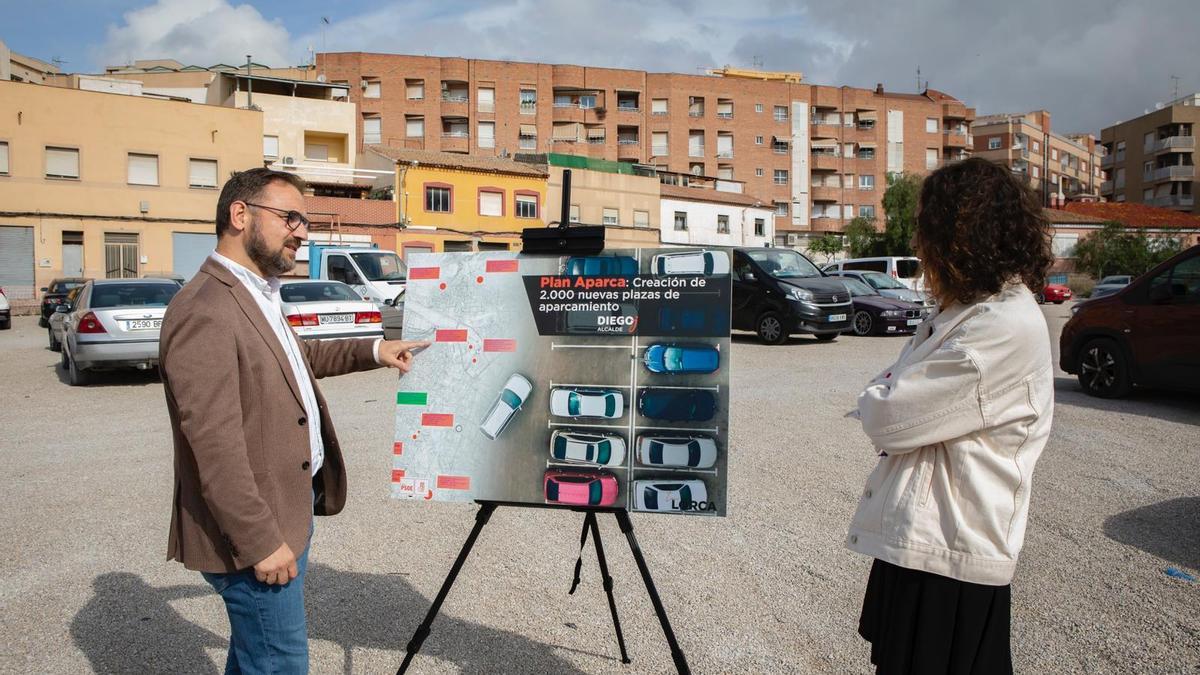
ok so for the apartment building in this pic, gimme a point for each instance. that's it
(107, 185)
(1058, 167)
(1152, 159)
(817, 154)
(16, 67)
(621, 197)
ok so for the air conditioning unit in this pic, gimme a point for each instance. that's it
(364, 84)
(287, 161)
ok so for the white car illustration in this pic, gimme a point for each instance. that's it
(512, 397)
(668, 495)
(691, 262)
(695, 452)
(587, 448)
(606, 403)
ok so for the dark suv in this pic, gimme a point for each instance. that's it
(778, 292)
(1147, 334)
(54, 295)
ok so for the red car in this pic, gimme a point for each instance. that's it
(1056, 293)
(1146, 334)
(580, 488)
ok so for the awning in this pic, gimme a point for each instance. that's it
(528, 130)
(867, 115)
(866, 144)
(567, 131)
(595, 132)
(825, 143)
(781, 139)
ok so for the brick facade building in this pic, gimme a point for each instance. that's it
(819, 154)
(1058, 167)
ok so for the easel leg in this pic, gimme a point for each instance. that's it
(676, 653)
(608, 584)
(414, 645)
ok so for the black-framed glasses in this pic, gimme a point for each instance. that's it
(293, 219)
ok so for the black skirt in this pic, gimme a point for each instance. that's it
(919, 622)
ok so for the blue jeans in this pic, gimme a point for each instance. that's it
(267, 628)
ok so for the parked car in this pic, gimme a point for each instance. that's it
(581, 447)
(584, 322)
(681, 358)
(1109, 285)
(328, 309)
(693, 452)
(53, 295)
(668, 495)
(568, 402)
(690, 322)
(54, 330)
(692, 405)
(876, 315)
(514, 394)
(579, 488)
(778, 292)
(1145, 334)
(905, 269)
(114, 324)
(691, 262)
(1056, 293)
(887, 286)
(601, 266)
(5, 312)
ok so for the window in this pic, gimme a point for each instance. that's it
(491, 202)
(758, 140)
(866, 182)
(724, 172)
(487, 134)
(641, 218)
(680, 220)
(722, 224)
(414, 89)
(202, 173)
(695, 106)
(781, 176)
(866, 153)
(487, 99)
(779, 146)
(1054, 153)
(142, 169)
(373, 130)
(1083, 165)
(1148, 141)
(1119, 178)
(994, 143)
(695, 144)
(1120, 151)
(528, 101)
(867, 211)
(1147, 195)
(931, 158)
(1064, 245)
(758, 107)
(781, 208)
(271, 146)
(414, 127)
(341, 269)
(760, 226)
(847, 211)
(527, 205)
(316, 151)
(610, 217)
(1037, 171)
(371, 88)
(781, 113)
(3, 158)
(658, 106)
(573, 213)
(1037, 147)
(437, 198)
(659, 145)
(931, 125)
(587, 101)
(758, 172)
(527, 138)
(1147, 170)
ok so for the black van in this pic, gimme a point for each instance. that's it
(778, 291)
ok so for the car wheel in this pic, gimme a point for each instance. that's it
(1041, 299)
(55, 345)
(75, 375)
(770, 329)
(863, 323)
(1103, 369)
(826, 337)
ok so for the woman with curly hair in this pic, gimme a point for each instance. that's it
(958, 423)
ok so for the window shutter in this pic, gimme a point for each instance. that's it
(491, 204)
(414, 127)
(372, 90)
(270, 146)
(372, 130)
(3, 157)
(416, 91)
(143, 169)
(62, 162)
(202, 173)
(658, 105)
(317, 151)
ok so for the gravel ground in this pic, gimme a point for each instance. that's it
(86, 476)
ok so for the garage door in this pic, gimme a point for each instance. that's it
(189, 251)
(16, 261)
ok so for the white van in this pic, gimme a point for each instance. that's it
(906, 270)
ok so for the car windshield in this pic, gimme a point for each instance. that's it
(381, 265)
(322, 292)
(603, 451)
(673, 358)
(510, 398)
(133, 295)
(857, 288)
(881, 280)
(784, 264)
(1115, 280)
(595, 492)
(572, 403)
(907, 268)
(64, 286)
(610, 405)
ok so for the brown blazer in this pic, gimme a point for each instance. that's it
(243, 482)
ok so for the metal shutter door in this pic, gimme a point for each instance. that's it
(16, 261)
(189, 250)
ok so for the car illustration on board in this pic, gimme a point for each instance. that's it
(579, 488)
(681, 358)
(579, 447)
(679, 405)
(691, 262)
(693, 452)
(571, 402)
(668, 495)
(516, 391)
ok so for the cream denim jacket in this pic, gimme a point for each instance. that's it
(959, 422)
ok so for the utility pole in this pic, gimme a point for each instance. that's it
(1175, 81)
(918, 78)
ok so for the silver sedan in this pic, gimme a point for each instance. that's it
(114, 323)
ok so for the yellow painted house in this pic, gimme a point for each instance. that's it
(453, 202)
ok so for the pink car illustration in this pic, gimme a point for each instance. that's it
(580, 488)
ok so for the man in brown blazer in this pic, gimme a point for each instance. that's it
(256, 455)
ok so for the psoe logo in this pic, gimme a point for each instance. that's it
(693, 505)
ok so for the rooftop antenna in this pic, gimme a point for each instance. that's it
(59, 61)
(758, 62)
(1175, 80)
(324, 22)
(918, 78)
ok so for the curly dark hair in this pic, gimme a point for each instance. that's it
(979, 227)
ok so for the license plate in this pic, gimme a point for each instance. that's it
(837, 317)
(143, 324)
(335, 318)
(914, 322)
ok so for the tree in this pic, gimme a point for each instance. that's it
(1115, 249)
(862, 239)
(827, 245)
(900, 212)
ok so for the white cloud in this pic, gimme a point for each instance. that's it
(199, 32)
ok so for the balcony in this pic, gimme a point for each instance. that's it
(828, 220)
(1175, 144)
(456, 141)
(628, 140)
(628, 102)
(528, 107)
(954, 110)
(825, 161)
(1174, 173)
(1106, 186)
(825, 193)
(954, 138)
(1106, 162)
(1174, 201)
(696, 151)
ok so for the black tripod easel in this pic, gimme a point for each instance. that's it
(590, 524)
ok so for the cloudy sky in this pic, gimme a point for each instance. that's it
(1089, 62)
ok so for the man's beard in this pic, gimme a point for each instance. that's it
(271, 263)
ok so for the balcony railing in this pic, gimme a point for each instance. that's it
(628, 107)
(1106, 186)
(694, 151)
(1106, 161)
(1175, 200)
(1174, 172)
(455, 134)
(628, 140)
(529, 108)
(1175, 144)
(725, 115)
(454, 98)
(725, 154)
(695, 113)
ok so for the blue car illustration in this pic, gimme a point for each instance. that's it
(677, 358)
(679, 405)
